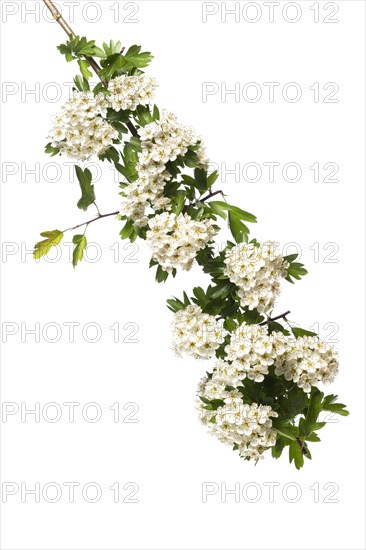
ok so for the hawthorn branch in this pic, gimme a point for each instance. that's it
(282, 316)
(210, 195)
(70, 33)
(99, 217)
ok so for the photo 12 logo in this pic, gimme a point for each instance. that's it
(69, 492)
(89, 12)
(268, 491)
(69, 412)
(270, 92)
(270, 12)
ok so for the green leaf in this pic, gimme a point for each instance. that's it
(212, 178)
(112, 48)
(135, 142)
(186, 299)
(315, 405)
(250, 390)
(84, 68)
(100, 88)
(313, 437)
(238, 229)
(296, 455)
(80, 243)
(161, 275)
(329, 399)
(285, 429)
(127, 230)
(318, 425)
(111, 66)
(111, 155)
(299, 332)
(52, 239)
(230, 324)
(156, 113)
(273, 326)
(280, 445)
(82, 84)
(252, 317)
(121, 128)
(309, 423)
(200, 296)
(290, 258)
(241, 214)
(217, 209)
(143, 115)
(86, 47)
(212, 404)
(200, 178)
(294, 402)
(175, 305)
(178, 203)
(337, 408)
(51, 150)
(98, 52)
(236, 216)
(87, 189)
(66, 50)
(136, 58)
(295, 271)
(130, 160)
(220, 291)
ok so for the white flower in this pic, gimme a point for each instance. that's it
(252, 350)
(79, 130)
(248, 427)
(308, 361)
(175, 240)
(196, 333)
(127, 92)
(257, 272)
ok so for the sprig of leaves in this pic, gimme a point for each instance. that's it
(78, 47)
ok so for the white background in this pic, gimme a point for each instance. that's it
(167, 453)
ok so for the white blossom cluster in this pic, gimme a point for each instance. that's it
(256, 271)
(162, 141)
(127, 92)
(175, 240)
(79, 130)
(196, 333)
(251, 351)
(142, 194)
(248, 427)
(308, 361)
